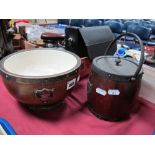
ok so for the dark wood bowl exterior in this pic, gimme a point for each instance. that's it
(24, 89)
(40, 90)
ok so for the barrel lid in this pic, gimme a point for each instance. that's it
(115, 67)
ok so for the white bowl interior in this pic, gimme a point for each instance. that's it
(40, 62)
